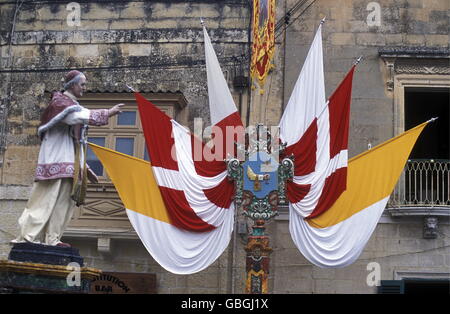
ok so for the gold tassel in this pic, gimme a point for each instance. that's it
(79, 188)
(83, 186)
(76, 172)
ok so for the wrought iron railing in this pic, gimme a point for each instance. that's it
(424, 182)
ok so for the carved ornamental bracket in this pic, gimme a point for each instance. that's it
(414, 60)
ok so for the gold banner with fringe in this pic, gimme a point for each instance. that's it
(263, 42)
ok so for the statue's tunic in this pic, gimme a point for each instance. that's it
(60, 130)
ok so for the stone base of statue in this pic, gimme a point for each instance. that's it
(37, 268)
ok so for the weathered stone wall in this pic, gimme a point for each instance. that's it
(158, 45)
(396, 245)
(153, 46)
(131, 256)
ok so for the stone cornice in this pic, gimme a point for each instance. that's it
(131, 36)
(414, 52)
(414, 61)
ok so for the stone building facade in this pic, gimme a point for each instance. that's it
(157, 47)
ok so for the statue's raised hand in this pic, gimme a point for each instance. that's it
(115, 110)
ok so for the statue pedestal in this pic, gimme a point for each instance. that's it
(35, 268)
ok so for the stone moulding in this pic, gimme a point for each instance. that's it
(415, 61)
(28, 277)
(46, 269)
(415, 52)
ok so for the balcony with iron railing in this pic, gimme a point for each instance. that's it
(423, 189)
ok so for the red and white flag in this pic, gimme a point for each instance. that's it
(197, 195)
(316, 133)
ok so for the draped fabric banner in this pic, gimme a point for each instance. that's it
(334, 206)
(337, 237)
(320, 172)
(175, 247)
(180, 204)
(263, 39)
(184, 219)
(316, 133)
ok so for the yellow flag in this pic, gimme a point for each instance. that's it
(134, 181)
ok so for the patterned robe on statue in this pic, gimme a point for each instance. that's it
(60, 129)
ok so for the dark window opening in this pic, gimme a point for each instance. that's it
(427, 173)
(427, 286)
(422, 104)
(415, 286)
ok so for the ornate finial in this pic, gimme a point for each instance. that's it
(358, 60)
(202, 22)
(433, 119)
(323, 20)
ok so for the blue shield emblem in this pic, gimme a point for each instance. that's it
(260, 174)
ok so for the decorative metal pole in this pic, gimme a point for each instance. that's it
(260, 186)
